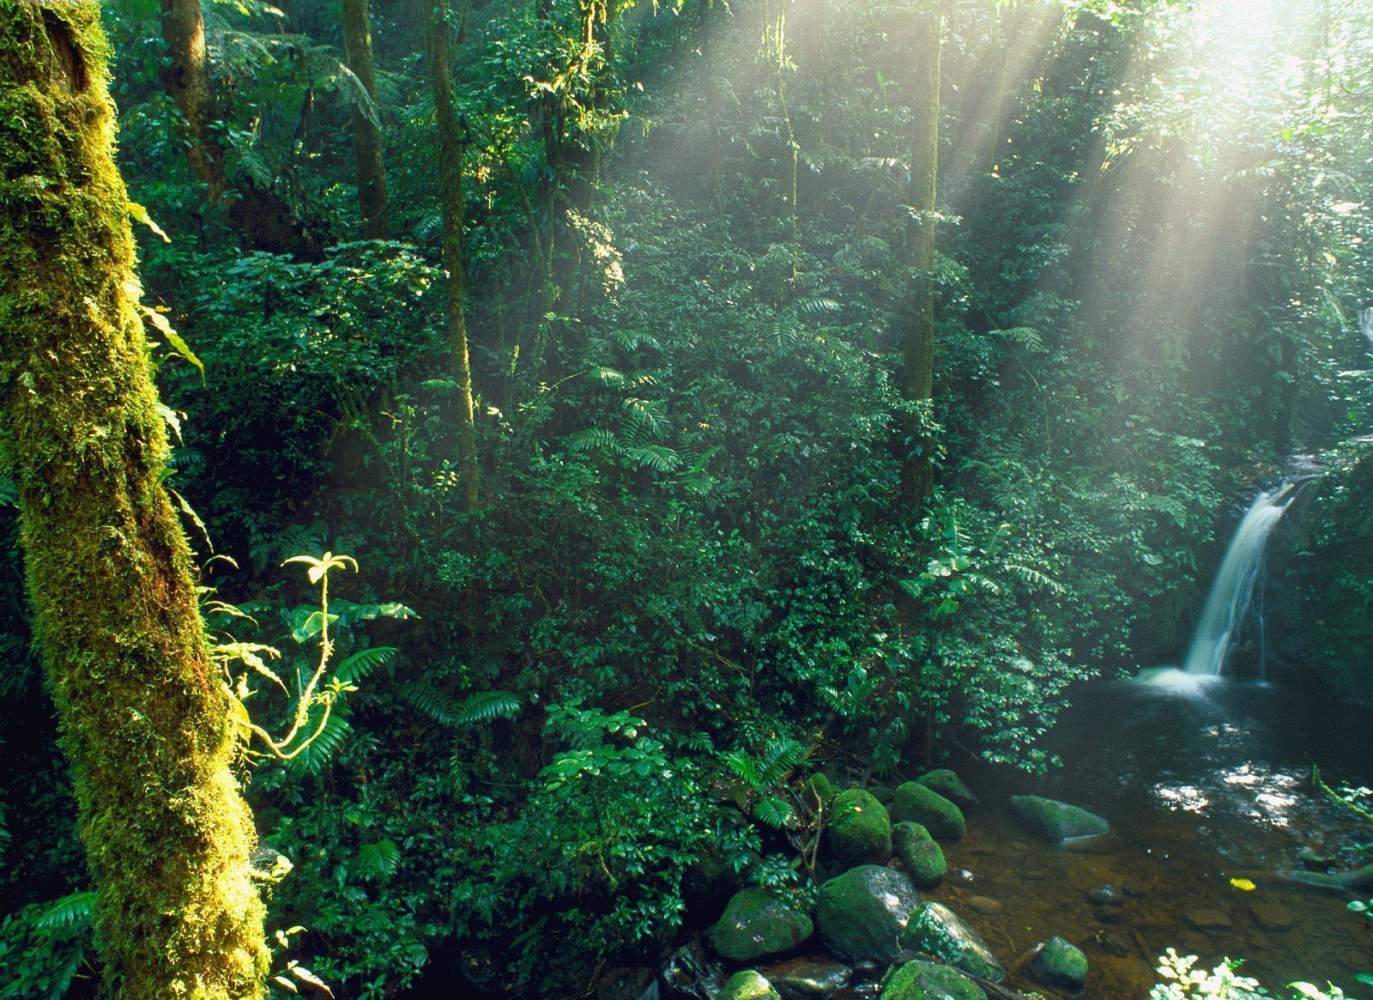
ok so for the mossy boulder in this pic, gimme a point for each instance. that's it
(917, 851)
(860, 829)
(748, 985)
(917, 803)
(936, 930)
(862, 913)
(882, 793)
(927, 981)
(949, 785)
(756, 924)
(1060, 964)
(1054, 822)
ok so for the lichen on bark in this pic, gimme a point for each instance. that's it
(144, 717)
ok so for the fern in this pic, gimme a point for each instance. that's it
(378, 861)
(818, 307)
(74, 910)
(775, 812)
(431, 702)
(657, 457)
(1033, 577)
(363, 662)
(322, 749)
(591, 439)
(487, 706)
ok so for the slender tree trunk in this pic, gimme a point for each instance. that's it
(357, 44)
(187, 79)
(454, 260)
(917, 471)
(145, 717)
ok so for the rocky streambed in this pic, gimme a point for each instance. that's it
(1179, 821)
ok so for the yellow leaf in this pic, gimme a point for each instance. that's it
(1243, 884)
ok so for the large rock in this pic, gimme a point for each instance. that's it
(921, 856)
(808, 978)
(859, 830)
(820, 791)
(1054, 821)
(757, 924)
(916, 803)
(748, 985)
(862, 913)
(927, 981)
(949, 785)
(1060, 964)
(936, 930)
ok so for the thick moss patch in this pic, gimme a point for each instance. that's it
(917, 851)
(860, 830)
(917, 803)
(928, 981)
(862, 913)
(757, 924)
(1054, 822)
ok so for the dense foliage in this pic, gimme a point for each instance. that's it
(685, 240)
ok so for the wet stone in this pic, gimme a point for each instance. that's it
(1209, 920)
(1272, 917)
(1106, 895)
(808, 978)
(985, 905)
(961, 876)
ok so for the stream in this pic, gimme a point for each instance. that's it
(1202, 784)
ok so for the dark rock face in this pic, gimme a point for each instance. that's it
(1055, 822)
(757, 924)
(862, 913)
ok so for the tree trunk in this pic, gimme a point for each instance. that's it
(187, 79)
(144, 714)
(917, 471)
(357, 44)
(454, 261)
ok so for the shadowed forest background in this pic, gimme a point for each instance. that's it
(586, 328)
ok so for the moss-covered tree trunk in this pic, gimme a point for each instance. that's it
(144, 715)
(917, 470)
(186, 76)
(357, 45)
(454, 254)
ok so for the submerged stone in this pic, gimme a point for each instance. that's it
(862, 913)
(1061, 964)
(1054, 821)
(860, 830)
(1209, 920)
(949, 785)
(1272, 917)
(917, 851)
(808, 978)
(756, 924)
(936, 930)
(748, 985)
(916, 803)
(928, 981)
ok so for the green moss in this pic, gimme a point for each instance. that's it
(1060, 964)
(949, 785)
(928, 981)
(748, 985)
(756, 923)
(860, 829)
(936, 930)
(919, 854)
(1054, 822)
(862, 913)
(916, 803)
(144, 715)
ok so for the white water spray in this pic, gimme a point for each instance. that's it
(1366, 325)
(1233, 589)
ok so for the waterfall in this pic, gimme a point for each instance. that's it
(1366, 325)
(1233, 589)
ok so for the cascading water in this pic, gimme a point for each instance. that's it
(1366, 325)
(1233, 589)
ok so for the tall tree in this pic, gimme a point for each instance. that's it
(917, 470)
(357, 46)
(145, 718)
(186, 76)
(451, 142)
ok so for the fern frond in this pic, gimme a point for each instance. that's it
(316, 757)
(377, 861)
(775, 812)
(818, 307)
(431, 702)
(657, 457)
(74, 910)
(487, 706)
(363, 662)
(1033, 577)
(591, 439)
